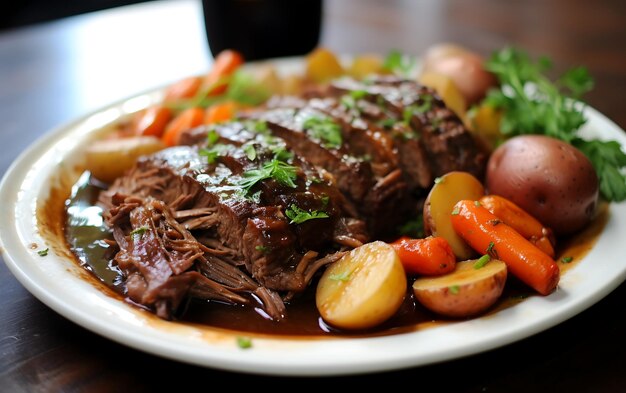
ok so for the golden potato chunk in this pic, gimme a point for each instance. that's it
(362, 289)
(108, 159)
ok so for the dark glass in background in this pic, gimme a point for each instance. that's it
(262, 29)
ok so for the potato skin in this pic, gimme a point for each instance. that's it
(475, 290)
(548, 178)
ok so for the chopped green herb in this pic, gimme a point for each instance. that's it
(278, 170)
(567, 259)
(456, 211)
(491, 250)
(215, 151)
(212, 137)
(325, 130)
(349, 102)
(413, 228)
(244, 342)
(263, 249)
(139, 231)
(298, 216)
(256, 197)
(435, 123)
(387, 124)
(250, 151)
(438, 180)
(407, 135)
(454, 289)
(325, 199)
(280, 153)
(477, 204)
(358, 94)
(411, 110)
(243, 88)
(343, 276)
(398, 63)
(482, 261)
(258, 126)
(315, 180)
(44, 252)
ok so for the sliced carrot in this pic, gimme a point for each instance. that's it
(517, 218)
(430, 256)
(487, 234)
(151, 121)
(221, 112)
(187, 119)
(226, 63)
(186, 88)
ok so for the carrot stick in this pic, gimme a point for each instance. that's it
(226, 63)
(517, 218)
(430, 256)
(151, 121)
(186, 88)
(486, 233)
(187, 119)
(220, 112)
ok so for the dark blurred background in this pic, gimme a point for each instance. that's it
(16, 13)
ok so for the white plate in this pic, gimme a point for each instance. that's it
(58, 282)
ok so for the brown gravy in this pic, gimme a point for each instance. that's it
(76, 221)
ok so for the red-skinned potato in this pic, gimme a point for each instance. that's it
(548, 178)
(464, 67)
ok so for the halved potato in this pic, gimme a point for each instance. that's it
(447, 191)
(108, 159)
(362, 289)
(465, 292)
(447, 90)
(322, 65)
(365, 65)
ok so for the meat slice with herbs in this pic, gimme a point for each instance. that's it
(270, 213)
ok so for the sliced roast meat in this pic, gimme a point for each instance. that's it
(250, 210)
(209, 198)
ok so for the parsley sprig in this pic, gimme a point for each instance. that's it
(533, 104)
(399, 63)
(298, 216)
(325, 130)
(276, 169)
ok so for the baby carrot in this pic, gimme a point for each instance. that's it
(187, 119)
(517, 218)
(430, 256)
(220, 112)
(186, 88)
(151, 121)
(226, 63)
(487, 234)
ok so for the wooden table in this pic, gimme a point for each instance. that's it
(54, 72)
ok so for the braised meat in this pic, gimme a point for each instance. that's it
(249, 211)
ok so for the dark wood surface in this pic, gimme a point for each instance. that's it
(54, 72)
